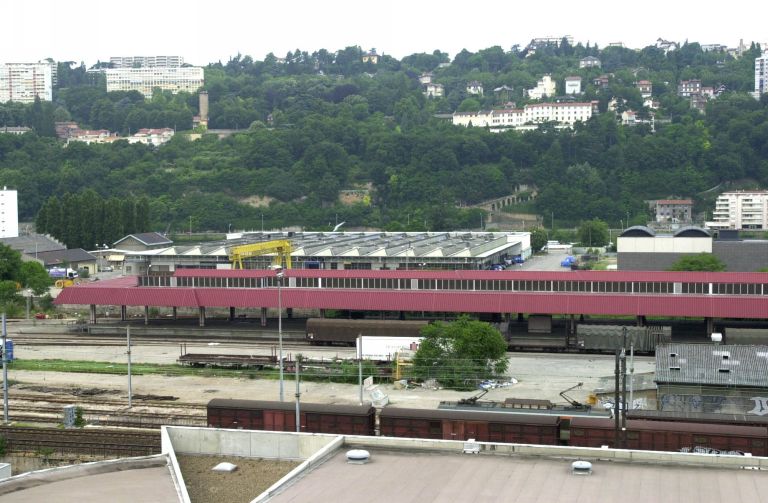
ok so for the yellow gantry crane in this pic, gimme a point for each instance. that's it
(281, 248)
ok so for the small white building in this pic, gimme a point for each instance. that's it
(590, 62)
(475, 87)
(154, 137)
(433, 90)
(545, 87)
(573, 85)
(9, 213)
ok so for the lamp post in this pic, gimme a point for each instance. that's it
(280, 329)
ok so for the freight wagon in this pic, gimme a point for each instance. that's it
(510, 427)
(281, 416)
(670, 436)
(464, 425)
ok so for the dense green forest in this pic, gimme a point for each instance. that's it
(315, 124)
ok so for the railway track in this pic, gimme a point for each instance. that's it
(92, 442)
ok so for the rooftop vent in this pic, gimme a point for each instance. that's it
(673, 355)
(725, 357)
(674, 368)
(358, 457)
(724, 370)
(581, 468)
(717, 337)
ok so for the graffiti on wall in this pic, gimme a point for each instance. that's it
(756, 405)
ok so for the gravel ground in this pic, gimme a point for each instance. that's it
(541, 376)
(250, 479)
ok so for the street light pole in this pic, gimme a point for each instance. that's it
(280, 329)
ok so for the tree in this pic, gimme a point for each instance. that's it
(538, 239)
(700, 262)
(460, 354)
(593, 233)
(10, 263)
(34, 276)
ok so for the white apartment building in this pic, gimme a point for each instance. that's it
(545, 87)
(761, 75)
(188, 79)
(146, 61)
(565, 114)
(22, 82)
(9, 213)
(746, 209)
(573, 85)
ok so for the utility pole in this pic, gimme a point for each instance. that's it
(130, 388)
(280, 329)
(5, 371)
(297, 362)
(616, 415)
(360, 365)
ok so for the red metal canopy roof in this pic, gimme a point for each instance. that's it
(125, 292)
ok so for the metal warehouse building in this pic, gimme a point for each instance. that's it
(711, 378)
(344, 250)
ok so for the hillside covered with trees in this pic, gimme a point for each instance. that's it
(315, 124)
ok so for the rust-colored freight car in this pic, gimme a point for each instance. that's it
(281, 416)
(326, 331)
(671, 436)
(463, 425)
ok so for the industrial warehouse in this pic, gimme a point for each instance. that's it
(333, 250)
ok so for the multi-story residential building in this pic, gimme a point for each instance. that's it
(434, 90)
(761, 75)
(371, 57)
(590, 62)
(426, 77)
(674, 211)
(545, 87)
(146, 61)
(601, 82)
(698, 102)
(645, 87)
(475, 87)
(713, 47)
(564, 114)
(9, 213)
(746, 209)
(687, 88)
(188, 79)
(23, 82)
(573, 85)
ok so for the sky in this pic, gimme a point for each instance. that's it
(211, 31)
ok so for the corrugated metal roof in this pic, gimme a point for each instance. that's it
(715, 365)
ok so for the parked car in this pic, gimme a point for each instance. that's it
(107, 268)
